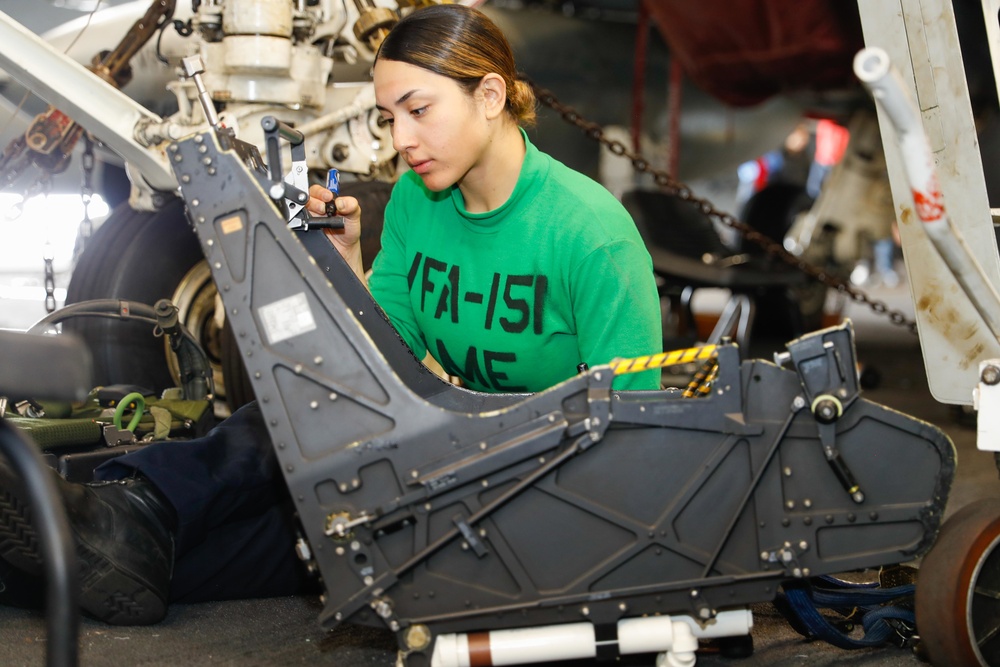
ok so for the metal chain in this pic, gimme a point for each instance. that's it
(86, 194)
(50, 279)
(682, 191)
(42, 187)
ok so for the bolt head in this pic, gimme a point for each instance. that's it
(418, 637)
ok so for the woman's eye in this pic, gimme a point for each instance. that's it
(419, 112)
(388, 121)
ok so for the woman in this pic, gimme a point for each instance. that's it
(505, 265)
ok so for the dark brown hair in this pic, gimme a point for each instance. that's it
(464, 45)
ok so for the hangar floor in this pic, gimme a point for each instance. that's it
(284, 631)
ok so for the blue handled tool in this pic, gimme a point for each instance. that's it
(333, 185)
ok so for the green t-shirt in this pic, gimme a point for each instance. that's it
(516, 298)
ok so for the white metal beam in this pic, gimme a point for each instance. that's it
(100, 108)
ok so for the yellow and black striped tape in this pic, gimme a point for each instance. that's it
(663, 359)
(701, 383)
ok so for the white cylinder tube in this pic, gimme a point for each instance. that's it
(545, 644)
(451, 651)
(257, 17)
(650, 634)
(516, 647)
(259, 54)
(730, 623)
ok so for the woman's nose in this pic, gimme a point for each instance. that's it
(402, 137)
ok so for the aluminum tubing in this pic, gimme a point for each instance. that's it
(874, 70)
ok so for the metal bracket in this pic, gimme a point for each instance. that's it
(822, 364)
(986, 400)
(469, 535)
(114, 437)
(788, 556)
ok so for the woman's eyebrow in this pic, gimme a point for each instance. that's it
(402, 99)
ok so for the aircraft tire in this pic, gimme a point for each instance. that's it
(146, 256)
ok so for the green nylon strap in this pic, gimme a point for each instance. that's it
(56, 434)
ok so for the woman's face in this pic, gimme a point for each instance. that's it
(440, 130)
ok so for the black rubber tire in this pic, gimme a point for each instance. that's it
(136, 256)
(143, 256)
(957, 616)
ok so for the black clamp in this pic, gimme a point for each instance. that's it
(291, 193)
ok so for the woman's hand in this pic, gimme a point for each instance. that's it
(347, 241)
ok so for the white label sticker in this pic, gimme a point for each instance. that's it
(286, 318)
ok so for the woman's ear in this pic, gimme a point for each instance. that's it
(494, 94)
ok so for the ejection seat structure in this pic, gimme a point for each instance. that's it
(590, 519)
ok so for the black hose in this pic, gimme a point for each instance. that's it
(198, 380)
(62, 589)
(195, 371)
(135, 310)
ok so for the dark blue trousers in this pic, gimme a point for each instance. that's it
(236, 527)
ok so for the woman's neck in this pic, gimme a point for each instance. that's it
(489, 184)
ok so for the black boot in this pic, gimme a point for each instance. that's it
(124, 539)
(20, 589)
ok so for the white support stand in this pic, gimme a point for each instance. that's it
(921, 39)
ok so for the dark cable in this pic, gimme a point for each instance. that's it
(62, 589)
